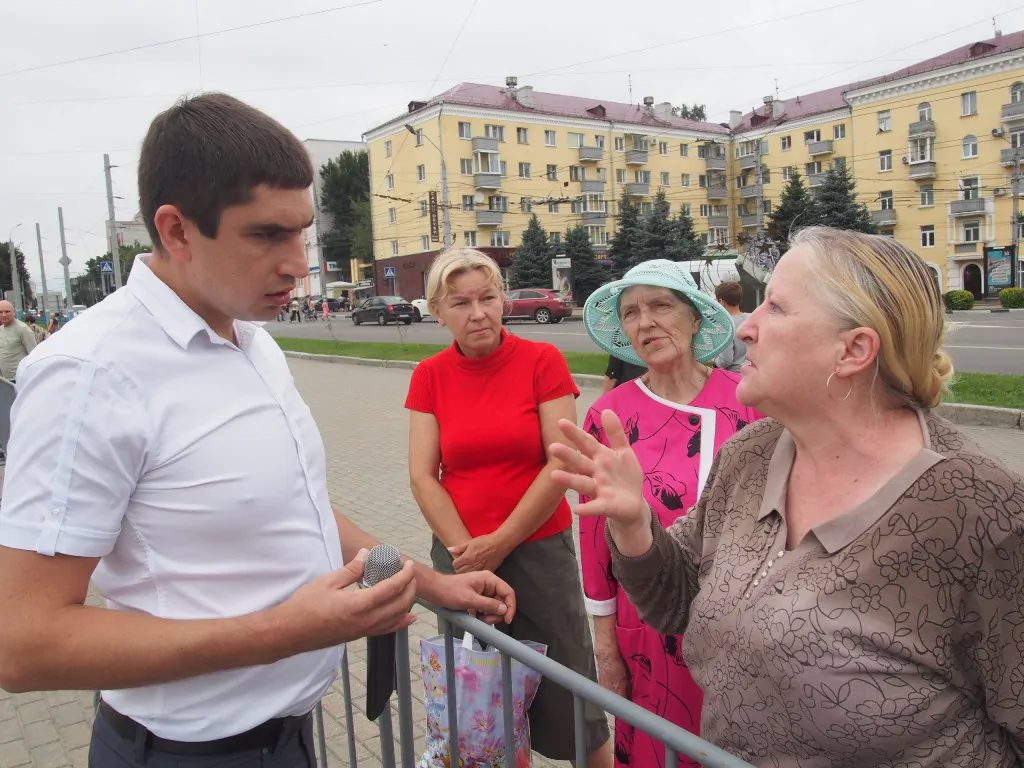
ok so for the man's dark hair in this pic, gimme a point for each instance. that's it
(208, 153)
(729, 293)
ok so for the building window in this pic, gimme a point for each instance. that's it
(705, 210)
(839, 163)
(642, 177)
(552, 172)
(972, 231)
(497, 203)
(885, 160)
(552, 207)
(469, 238)
(620, 175)
(575, 140)
(465, 131)
(924, 112)
(684, 150)
(663, 148)
(387, 149)
(928, 236)
(970, 188)
(523, 135)
(884, 121)
(389, 181)
(599, 141)
(421, 172)
(920, 150)
(503, 168)
(549, 138)
(646, 209)
(839, 131)
(812, 136)
(555, 238)
(495, 132)
(787, 143)
(598, 235)
(466, 166)
(766, 206)
(424, 242)
(602, 174)
(526, 205)
(1017, 93)
(686, 208)
(423, 208)
(419, 137)
(787, 173)
(620, 144)
(927, 196)
(467, 202)
(524, 170)
(970, 147)
(577, 173)
(392, 216)
(968, 103)
(813, 169)
(394, 247)
(500, 240)
(885, 200)
(666, 178)
(686, 179)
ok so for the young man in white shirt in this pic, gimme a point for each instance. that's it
(160, 448)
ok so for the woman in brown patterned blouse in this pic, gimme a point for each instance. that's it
(851, 583)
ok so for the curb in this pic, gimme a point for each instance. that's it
(956, 413)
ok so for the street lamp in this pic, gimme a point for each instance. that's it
(15, 276)
(444, 186)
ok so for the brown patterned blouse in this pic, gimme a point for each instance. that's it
(892, 635)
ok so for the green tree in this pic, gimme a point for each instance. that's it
(531, 262)
(796, 209)
(5, 270)
(87, 288)
(696, 112)
(658, 232)
(686, 243)
(344, 185)
(628, 231)
(837, 204)
(588, 273)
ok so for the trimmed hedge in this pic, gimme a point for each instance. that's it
(1012, 298)
(956, 300)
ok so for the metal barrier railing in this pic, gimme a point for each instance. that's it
(677, 741)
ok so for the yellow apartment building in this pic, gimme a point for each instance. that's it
(511, 152)
(932, 148)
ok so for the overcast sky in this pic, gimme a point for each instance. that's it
(332, 72)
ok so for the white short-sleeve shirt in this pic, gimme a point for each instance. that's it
(194, 470)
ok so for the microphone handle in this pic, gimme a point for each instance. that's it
(381, 673)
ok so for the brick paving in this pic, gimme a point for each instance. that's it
(359, 411)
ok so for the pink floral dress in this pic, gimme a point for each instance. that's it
(676, 445)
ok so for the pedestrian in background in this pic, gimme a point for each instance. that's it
(54, 325)
(734, 356)
(16, 341)
(37, 330)
(619, 372)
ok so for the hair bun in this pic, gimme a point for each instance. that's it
(929, 393)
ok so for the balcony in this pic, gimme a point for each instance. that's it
(751, 190)
(921, 128)
(884, 218)
(636, 157)
(718, 192)
(599, 248)
(715, 163)
(819, 147)
(484, 144)
(717, 221)
(489, 218)
(971, 207)
(592, 186)
(1006, 155)
(638, 188)
(815, 180)
(962, 248)
(747, 162)
(487, 180)
(591, 154)
(595, 218)
(923, 169)
(749, 220)
(1013, 112)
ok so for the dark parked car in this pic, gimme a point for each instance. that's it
(382, 310)
(541, 304)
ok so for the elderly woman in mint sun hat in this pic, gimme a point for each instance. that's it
(677, 415)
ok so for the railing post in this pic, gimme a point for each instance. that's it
(406, 738)
(508, 711)
(579, 721)
(387, 738)
(453, 713)
(346, 687)
(321, 736)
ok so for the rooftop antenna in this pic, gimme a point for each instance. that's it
(776, 89)
(630, 88)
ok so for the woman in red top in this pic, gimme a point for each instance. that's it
(482, 413)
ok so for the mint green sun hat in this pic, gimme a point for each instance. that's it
(602, 321)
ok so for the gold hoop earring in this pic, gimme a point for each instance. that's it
(829, 381)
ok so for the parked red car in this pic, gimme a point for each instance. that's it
(541, 304)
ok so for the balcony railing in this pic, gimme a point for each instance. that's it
(638, 188)
(884, 218)
(595, 218)
(718, 192)
(715, 163)
(1006, 155)
(815, 179)
(489, 218)
(748, 161)
(751, 190)
(961, 247)
(599, 248)
(718, 221)
(592, 186)
(749, 220)
(1012, 112)
(487, 180)
(923, 169)
(484, 144)
(591, 154)
(921, 128)
(819, 147)
(967, 207)
(636, 156)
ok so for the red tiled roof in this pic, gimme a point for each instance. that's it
(495, 97)
(834, 98)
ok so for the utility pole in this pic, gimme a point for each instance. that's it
(445, 208)
(115, 252)
(760, 189)
(1015, 191)
(42, 272)
(65, 262)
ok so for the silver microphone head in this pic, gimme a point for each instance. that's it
(382, 562)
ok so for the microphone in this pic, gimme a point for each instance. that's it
(382, 562)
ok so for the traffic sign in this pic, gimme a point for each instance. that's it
(64, 261)
(106, 267)
(389, 273)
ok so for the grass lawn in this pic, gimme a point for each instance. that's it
(1002, 390)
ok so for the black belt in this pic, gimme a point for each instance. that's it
(263, 736)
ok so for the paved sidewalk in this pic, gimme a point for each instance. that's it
(359, 411)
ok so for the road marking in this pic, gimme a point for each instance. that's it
(958, 326)
(1004, 349)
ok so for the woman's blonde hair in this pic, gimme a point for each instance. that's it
(450, 264)
(872, 281)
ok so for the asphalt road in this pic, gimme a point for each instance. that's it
(981, 342)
